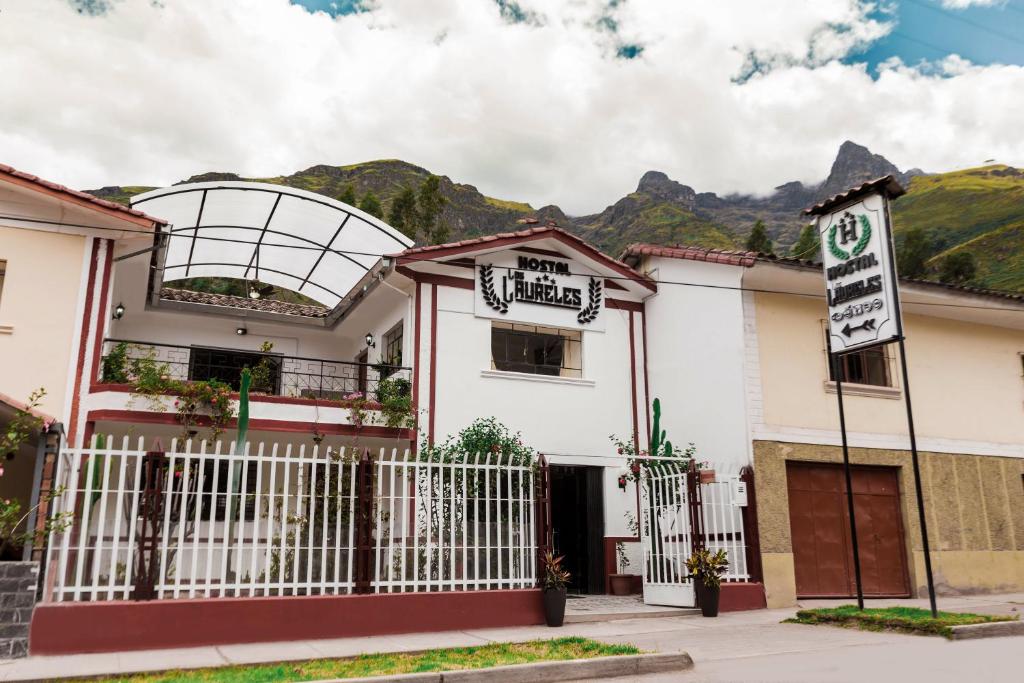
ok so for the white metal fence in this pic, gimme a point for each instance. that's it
(197, 521)
(667, 527)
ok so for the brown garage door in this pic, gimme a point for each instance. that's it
(822, 551)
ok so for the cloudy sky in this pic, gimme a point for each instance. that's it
(545, 101)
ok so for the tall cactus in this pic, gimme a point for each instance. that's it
(660, 445)
(236, 477)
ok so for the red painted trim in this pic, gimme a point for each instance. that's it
(631, 306)
(288, 426)
(740, 596)
(435, 278)
(76, 392)
(434, 254)
(647, 385)
(109, 626)
(612, 284)
(433, 361)
(101, 319)
(632, 383)
(89, 431)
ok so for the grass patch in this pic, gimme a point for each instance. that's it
(480, 657)
(901, 619)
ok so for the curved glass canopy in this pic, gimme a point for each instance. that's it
(274, 234)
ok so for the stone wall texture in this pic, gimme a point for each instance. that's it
(974, 507)
(18, 583)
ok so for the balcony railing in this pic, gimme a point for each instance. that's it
(125, 360)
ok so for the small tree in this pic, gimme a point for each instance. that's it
(348, 195)
(958, 268)
(430, 205)
(808, 244)
(371, 205)
(404, 215)
(758, 239)
(913, 253)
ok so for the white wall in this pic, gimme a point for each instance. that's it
(566, 419)
(695, 346)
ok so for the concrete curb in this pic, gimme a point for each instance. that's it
(995, 629)
(567, 670)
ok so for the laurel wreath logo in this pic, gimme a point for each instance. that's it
(593, 307)
(491, 298)
(860, 246)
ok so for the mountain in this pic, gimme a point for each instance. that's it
(980, 210)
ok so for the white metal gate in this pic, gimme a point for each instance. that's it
(666, 535)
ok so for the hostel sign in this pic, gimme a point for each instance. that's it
(856, 249)
(539, 290)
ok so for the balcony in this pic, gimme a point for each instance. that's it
(124, 361)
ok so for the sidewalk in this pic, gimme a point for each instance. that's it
(730, 635)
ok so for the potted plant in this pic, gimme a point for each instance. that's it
(622, 583)
(552, 583)
(706, 569)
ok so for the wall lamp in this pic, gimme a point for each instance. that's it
(241, 331)
(369, 340)
(118, 311)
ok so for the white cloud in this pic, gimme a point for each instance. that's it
(148, 94)
(964, 4)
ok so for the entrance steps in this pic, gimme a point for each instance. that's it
(588, 608)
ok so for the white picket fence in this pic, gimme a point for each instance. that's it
(274, 521)
(722, 523)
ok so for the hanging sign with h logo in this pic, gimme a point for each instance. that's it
(860, 287)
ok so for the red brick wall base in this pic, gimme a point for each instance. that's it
(736, 597)
(70, 628)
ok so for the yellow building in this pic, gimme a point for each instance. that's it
(55, 255)
(964, 352)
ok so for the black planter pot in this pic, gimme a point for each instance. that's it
(707, 597)
(554, 606)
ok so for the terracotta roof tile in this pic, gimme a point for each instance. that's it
(886, 183)
(980, 291)
(722, 256)
(77, 194)
(550, 228)
(264, 305)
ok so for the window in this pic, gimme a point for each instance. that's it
(361, 376)
(536, 350)
(3, 269)
(871, 366)
(391, 354)
(226, 366)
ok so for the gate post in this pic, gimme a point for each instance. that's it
(751, 537)
(694, 500)
(364, 523)
(151, 513)
(542, 502)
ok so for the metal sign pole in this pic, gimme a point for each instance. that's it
(837, 374)
(913, 435)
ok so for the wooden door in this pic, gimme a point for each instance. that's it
(819, 524)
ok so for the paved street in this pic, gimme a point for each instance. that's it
(740, 646)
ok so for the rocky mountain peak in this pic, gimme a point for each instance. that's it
(855, 164)
(659, 185)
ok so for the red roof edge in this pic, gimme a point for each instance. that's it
(720, 256)
(429, 253)
(79, 197)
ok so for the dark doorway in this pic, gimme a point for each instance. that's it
(577, 518)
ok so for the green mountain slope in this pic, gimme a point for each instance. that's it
(977, 210)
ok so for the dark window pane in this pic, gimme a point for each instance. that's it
(526, 350)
